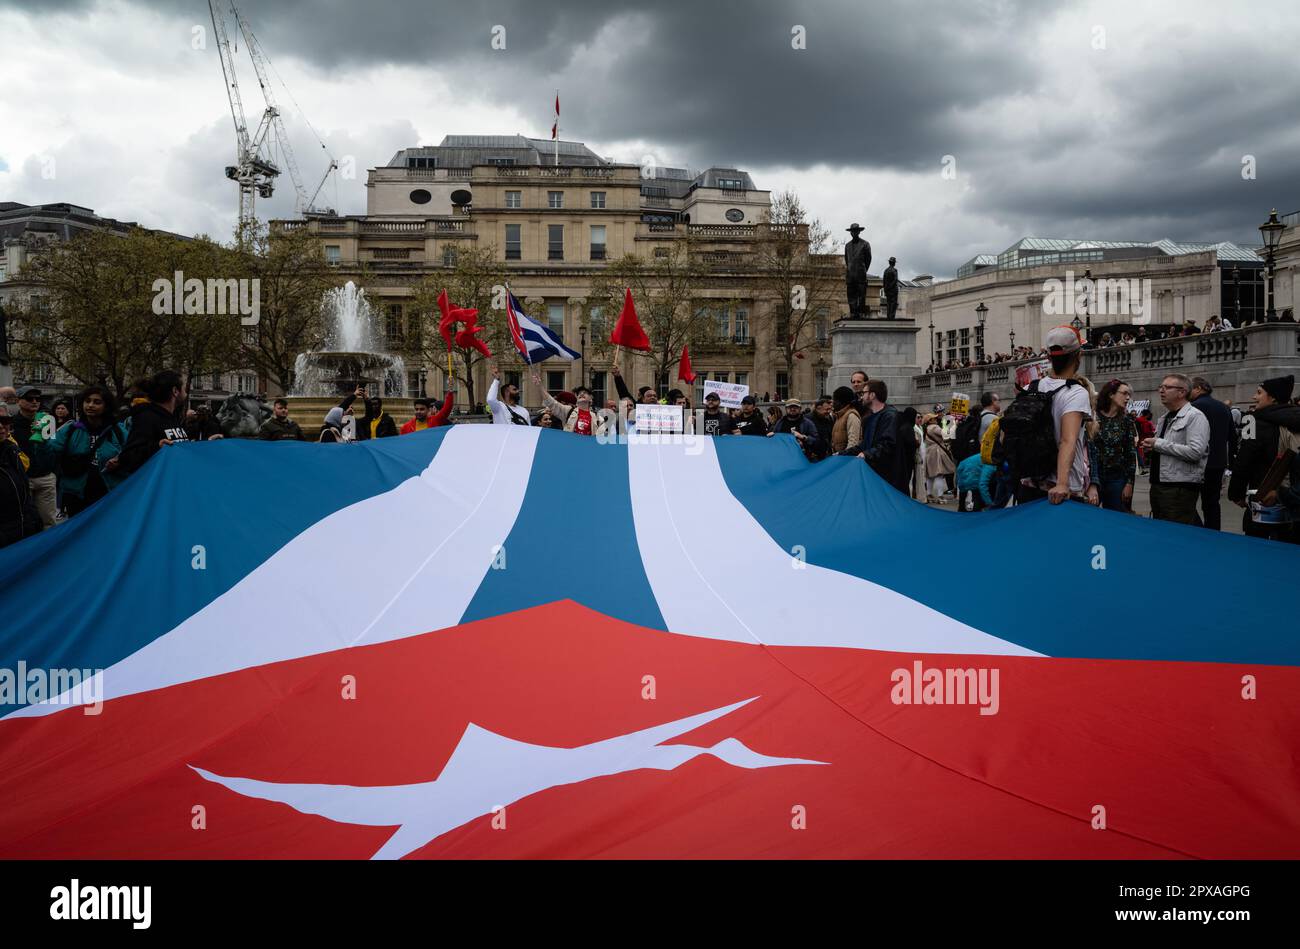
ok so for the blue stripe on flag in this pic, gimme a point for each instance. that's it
(97, 588)
(1026, 574)
(574, 538)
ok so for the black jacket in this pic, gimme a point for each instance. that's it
(18, 517)
(1258, 453)
(275, 430)
(1221, 431)
(387, 427)
(150, 424)
(880, 446)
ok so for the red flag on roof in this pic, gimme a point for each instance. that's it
(627, 331)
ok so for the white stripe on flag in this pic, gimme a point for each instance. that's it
(399, 564)
(686, 520)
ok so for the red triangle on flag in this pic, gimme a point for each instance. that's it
(627, 331)
(684, 370)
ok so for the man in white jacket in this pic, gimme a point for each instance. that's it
(503, 402)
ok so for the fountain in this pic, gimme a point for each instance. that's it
(351, 356)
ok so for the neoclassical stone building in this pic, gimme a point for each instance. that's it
(555, 227)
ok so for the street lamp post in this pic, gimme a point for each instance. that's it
(931, 340)
(1087, 306)
(1236, 297)
(1013, 344)
(1271, 230)
(981, 313)
(582, 336)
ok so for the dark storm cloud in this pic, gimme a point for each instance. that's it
(876, 85)
(880, 87)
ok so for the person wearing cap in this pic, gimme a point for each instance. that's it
(795, 423)
(1179, 451)
(714, 421)
(1261, 432)
(1071, 407)
(750, 421)
(857, 261)
(18, 516)
(890, 285)
(32, 428)
(580, 417)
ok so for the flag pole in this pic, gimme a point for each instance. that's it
(557, 128)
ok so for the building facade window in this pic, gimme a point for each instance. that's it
(513, 378)
(332, 254)
(979, 342)
(598, 242)
(742, 325)
(555, 242)
(722, 322)
(393, 329)
(598, 390)
(555, 318)
(823, 327)
(823, 376)
(555, 199)
(415, 383)
(514, 243)
(782, 386)
(555, 380)
(952, 345)
(661, 252)
(596, 318)
(965, 344)
(245, 383)
(449, 257)
(598, 199)
(514, 199)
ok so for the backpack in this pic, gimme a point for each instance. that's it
(966, 441)
(1028, 436)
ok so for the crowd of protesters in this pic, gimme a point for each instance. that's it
(1062, 439)
(1107, 340)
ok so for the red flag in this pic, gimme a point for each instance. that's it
(466, 338)
(448, 322)
(627, 331)
(684, 370)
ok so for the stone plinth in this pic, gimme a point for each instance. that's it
(884, 349)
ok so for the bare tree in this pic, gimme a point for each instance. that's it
(792, 272)
(473, 281)
(664, 289)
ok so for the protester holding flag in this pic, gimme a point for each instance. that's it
(423, 420)
(581, 418)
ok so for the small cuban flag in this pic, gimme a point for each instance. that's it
(534, 340)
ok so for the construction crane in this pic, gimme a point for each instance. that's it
(255, 173)
(304, 203)
(257, 169)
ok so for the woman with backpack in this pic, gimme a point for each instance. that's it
(86, 450)
(1116, 442)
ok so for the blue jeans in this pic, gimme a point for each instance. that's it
(1112, 494)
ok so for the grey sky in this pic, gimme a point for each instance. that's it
(1100, 119)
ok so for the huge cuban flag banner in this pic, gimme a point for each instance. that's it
(485, 641)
